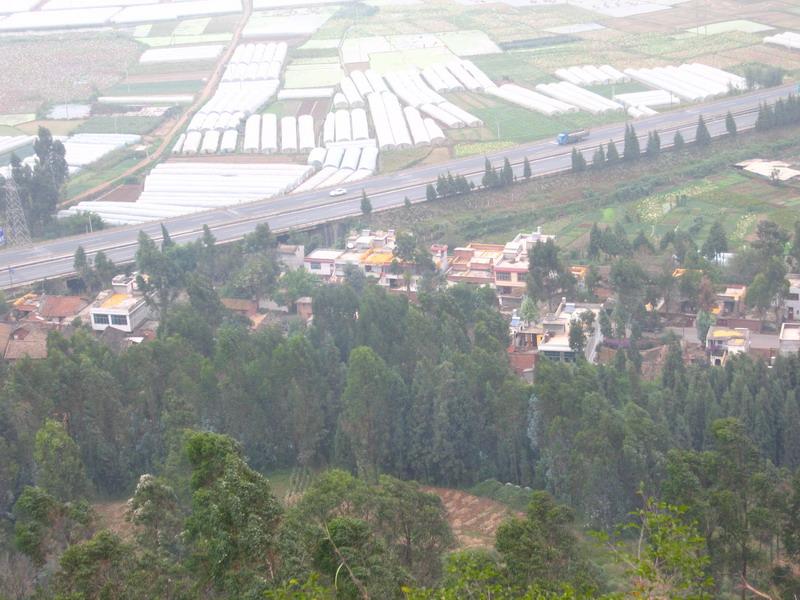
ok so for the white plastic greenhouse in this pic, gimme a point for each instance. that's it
(316, 157)
(252, 134)
(179, 188)
(468, 81)
(369, 159)
(362, 83)
(435, 132)
(192, 143)
(329, 129)
(316, 180)
(269, 133)
(531, 100)
(334, 157)
(229, 140)
(288, 135)
(343, 130)
(305, 133)
(690, 82)
(340, 101)
(376, 81)
(478, 75)
(380, 120)
(210, 142)
(787, 39)
(397, 122)
(359, 124)
(416, 125)
(572, 94)
(350, 159)
(350, 92)
(441, 115)
(178, 147)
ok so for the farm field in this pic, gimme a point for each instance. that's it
(512, 41)
(52, 69)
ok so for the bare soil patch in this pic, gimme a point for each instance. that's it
(111, 516)
(474, 520)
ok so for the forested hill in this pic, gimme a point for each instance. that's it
(389, 392)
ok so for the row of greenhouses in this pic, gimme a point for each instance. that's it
(178, 188)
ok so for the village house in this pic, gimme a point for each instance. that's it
(789, 339)
(123, 306)
(27, 340)
(724, 342)
(731, 301)
(791, 306)
(549, 336)
(372, 253)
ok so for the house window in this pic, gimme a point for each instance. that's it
(793, 296)
(119, 320)
(504, 276)
(316, 266)
(100, 319)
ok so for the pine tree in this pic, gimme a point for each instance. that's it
(702, 137)
(653, 144)
(366, 205)
(716, 242)
(166, 240)
(490, 178)
(612, 154)
(595, 242)
(507, 175)
(430, 192)
(578, 161)
(526, 168)
(599, 158)
(407, 203)
(631, 149)
(730, 124)
(678, 142)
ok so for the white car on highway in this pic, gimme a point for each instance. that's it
(337, 192)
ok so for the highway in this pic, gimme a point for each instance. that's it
(54, 258)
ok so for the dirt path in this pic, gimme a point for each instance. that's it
(166, 144)
(474, 520)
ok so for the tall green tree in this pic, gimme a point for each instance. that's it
(366, 409)
(161, 277)
(59, 468)
(702, 137)
(548, 276)
(730, 124)
(612, 154)
(677, 141)
(599, 158)
(541, 549)
(578, 161)
(233, 527)
(716, 242)
(526, 168)
(366, 205)
(631, 150)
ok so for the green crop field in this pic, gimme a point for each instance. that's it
(687, 190)
(110, 124)
(189, 86)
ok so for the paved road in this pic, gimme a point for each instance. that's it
(54, 258)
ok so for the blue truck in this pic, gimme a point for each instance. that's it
(572, 137)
